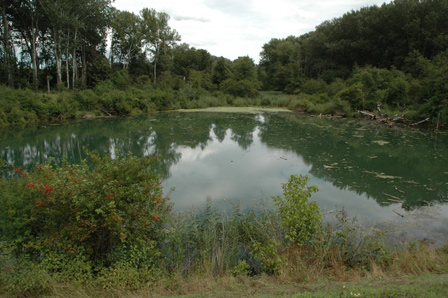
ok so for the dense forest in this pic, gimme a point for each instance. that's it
(63, 59)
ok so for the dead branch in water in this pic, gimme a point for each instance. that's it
(420, 122)
(389, 121)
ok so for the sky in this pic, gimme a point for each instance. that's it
(235, 28)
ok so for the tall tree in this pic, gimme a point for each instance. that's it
(90, 31)
(7, 40)
(59, 21)
(29, 22)
(221, 71)
(281, 64)
(158, 37)
(244, 69)
(126, 37)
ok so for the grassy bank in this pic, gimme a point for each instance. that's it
(410, 286)
(108, 230)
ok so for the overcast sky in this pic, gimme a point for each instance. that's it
(234, 28)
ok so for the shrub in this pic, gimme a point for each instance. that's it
(244, 88)
(81, 210)
(300, 218)
(313, 86)
(354, 95)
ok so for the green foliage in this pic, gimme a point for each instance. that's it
(300, 218)
(244, 88)
(313, 86)
(242, 268)
(350, 243)
(25, 279)
(268, 254)
(81, 211)
(354, 95)
(209, 241)
(221, 71)
(244, 69)
(121, 79)
(280, 65)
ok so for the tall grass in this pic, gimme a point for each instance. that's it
(206, 248)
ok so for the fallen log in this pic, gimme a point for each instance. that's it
(420, 122)
(106, 112)
(367, 113)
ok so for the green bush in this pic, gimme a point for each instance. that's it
(300, 218)
(86, 211)
(313, 86)
(354, 94)
(244, 88)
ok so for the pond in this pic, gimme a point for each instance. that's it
(389, 176)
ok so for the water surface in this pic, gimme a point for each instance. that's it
(374, 172)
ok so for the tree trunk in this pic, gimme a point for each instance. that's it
(74, 65)
(67, 68)
(34, 59)
(156, 54)
(155, 70)
(58, 58)
(6, 43)
(84, 66)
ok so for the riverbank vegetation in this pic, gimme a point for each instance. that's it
(62, 67)
(108, 230)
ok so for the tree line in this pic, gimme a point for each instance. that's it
(394, 55)
(58, 43)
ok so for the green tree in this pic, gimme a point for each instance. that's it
(221, 71)
(186, 59)
(126, 37)
(300, 217)
(243, 68)
(281, 64)
(30, 23)
(7, 41)
(158, 38)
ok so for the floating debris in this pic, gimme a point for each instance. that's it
(381, 143)
(396, 212)
(412, 182)
(330, 166)
(373, 157)
(393, 198)
(396, 188)
(383, 176)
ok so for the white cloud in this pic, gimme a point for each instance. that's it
(234, 28)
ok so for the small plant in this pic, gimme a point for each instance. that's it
(300, 218)
(242, 268)
(267, 254)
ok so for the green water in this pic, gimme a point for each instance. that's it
(374, 172)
